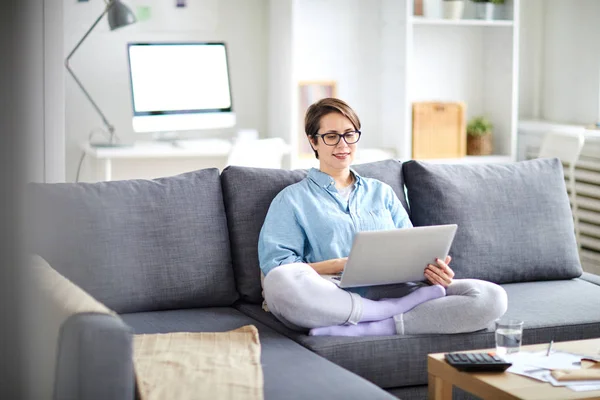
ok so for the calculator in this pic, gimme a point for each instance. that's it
(477, 362)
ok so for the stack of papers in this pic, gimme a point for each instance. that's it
(539, 366)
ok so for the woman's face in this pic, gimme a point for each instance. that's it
(341, 155)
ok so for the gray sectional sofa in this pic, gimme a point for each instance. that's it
(180, 254)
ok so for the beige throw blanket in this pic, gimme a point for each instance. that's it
(174, 366)
(199, 365)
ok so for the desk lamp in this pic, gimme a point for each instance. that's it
(119, 15)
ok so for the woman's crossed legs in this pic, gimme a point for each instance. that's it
(301, 299)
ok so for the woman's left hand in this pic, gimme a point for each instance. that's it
(441, 273)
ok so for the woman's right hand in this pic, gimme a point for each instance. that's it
(330, 267)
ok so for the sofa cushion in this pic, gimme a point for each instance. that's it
(290, 371)
(558, 310)
(387, 361)
(138, 245)
(514, 220)
(248, 193)
(555, 310)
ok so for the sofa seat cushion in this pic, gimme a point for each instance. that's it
(387, 361)
(514, 220)
(558, 310)
(137, 245)
(248, 193)
(290, 371)
(555, 310)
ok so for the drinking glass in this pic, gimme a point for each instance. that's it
(508, 336)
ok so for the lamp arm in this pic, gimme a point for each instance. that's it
(109, 126)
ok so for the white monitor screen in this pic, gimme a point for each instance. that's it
(176, 78)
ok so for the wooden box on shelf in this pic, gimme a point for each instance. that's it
(438, 130)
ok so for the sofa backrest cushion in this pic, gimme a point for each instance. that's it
(248, 193)
(138, 245)
(514, 220)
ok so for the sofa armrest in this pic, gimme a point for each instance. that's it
(94, 359)
(78, 348)
(593, 278)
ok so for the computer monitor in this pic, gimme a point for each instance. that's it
(180, 86)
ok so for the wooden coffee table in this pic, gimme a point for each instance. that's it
(505, 385)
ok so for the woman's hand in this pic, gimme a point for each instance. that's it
(330, 267)
(440, 274)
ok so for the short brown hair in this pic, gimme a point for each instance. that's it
(312, 120)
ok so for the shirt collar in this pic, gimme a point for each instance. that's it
(326, 181)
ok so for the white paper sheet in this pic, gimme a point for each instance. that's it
(584, 388)
(556, 360)
(538, 366)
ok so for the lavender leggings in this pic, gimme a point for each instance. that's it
(301, 299)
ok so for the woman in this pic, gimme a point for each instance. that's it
(308, 232)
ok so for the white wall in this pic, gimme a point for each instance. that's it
(572, 60)
(101, 62)
(565, 70)
(280, 81)
(54, 92)
(340, 40)
(530, 58)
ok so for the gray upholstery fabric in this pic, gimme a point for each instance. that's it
(388, 171)
(290, 371)
(138, 245)
(248, 193)
(410, 392)
(387, 361)
(94, 359)
(421, 393)
(555, 310)
(595, 279)
(514, 220)
(552, 310)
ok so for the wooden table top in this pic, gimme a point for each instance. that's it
(508, 385)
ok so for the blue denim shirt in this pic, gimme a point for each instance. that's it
(310, 222)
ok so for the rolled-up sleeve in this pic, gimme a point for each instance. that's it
(281, 240)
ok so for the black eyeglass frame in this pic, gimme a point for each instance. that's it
(340, 136)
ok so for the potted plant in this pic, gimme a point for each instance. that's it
(479, 137)
(485, 8)
(453, 9)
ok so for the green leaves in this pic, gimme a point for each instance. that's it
(479, 126)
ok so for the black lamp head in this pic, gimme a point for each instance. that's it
(119, 15)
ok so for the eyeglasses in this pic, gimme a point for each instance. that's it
(332, 139)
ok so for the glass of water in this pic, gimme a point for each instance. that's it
(508, 336)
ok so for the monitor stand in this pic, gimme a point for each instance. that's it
(165, 136)
(106, 145)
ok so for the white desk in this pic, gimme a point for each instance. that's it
(158, 150)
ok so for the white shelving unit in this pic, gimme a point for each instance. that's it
(383, 59)
(460, 22)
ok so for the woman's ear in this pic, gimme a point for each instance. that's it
(313, 142)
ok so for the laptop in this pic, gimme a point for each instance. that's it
(394, 256)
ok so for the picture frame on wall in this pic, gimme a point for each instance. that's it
(310, 92)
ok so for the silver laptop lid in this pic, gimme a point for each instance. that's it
(395, 256)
